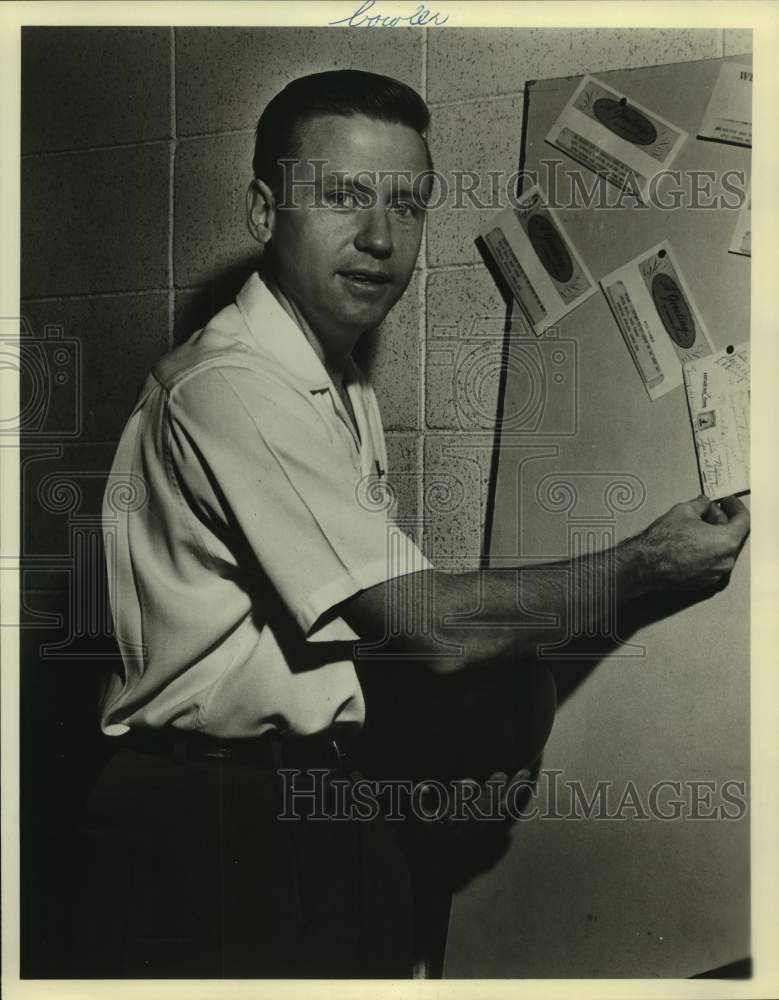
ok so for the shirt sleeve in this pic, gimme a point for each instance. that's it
(256, 456)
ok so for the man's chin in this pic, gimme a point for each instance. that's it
(362, 316)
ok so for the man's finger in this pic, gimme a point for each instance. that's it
(524, 774)
(699, 505)
(469, 790)
(715, 515)
(735, 510)
(492, 793)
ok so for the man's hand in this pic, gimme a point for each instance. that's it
(693, 546)
(474, 808)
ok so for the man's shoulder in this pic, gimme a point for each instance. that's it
(219, 350)
(219, 342)
(221, 375)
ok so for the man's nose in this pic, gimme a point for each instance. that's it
(374, 235)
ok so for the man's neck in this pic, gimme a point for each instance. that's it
(334, 365)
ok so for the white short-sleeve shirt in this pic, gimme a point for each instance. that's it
(237, 516)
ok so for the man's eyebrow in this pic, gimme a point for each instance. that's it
(402, 182)
(341, 177)
(401, 179)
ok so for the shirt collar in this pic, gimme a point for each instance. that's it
(276, 331)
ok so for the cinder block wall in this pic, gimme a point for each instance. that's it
(137, 148)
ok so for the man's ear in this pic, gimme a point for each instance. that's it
(260, 210)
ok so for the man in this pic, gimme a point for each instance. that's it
(252, 562)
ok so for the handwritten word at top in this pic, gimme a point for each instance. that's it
(420, 18)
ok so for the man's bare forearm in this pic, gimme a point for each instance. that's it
(453, 621)
(538, 605)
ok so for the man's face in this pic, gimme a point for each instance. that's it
(345, 250)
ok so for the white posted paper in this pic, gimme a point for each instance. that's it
(728, 116)
(718, 398)
(741, 241)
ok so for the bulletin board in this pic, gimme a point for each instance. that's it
(668, 700)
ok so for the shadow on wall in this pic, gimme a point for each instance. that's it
(62, 750)
(195, 307)
(570, 674)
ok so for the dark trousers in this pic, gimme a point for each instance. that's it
(188, 873)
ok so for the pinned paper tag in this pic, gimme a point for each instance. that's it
(543, 269)
(728, 116)
(741, 241)
(659, 321)
(615, 137)
(718, 397)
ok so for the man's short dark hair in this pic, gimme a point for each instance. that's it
(344, 92)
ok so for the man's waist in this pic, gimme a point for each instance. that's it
(333, 749)
(242, 688)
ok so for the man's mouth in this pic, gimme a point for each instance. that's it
(360, 276)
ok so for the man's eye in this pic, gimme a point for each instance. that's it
(341, 199)
(405, 209)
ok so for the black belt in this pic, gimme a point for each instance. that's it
(332, 749)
